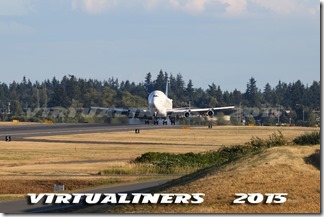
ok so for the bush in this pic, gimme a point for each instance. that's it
(273, 140)
(166, 163)
(313, 138)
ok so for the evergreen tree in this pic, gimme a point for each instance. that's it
(160, 82)
(252, 94)
(190, 90)
(301, 100)
(268, 94)
(179, 90)
(148, 83)
(296, 94)
(313, 96)
(237, 97)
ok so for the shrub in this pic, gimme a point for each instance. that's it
(167, 163)
(313, 138)
(273, 140)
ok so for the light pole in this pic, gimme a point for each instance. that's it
(278, 116)
(9, 108)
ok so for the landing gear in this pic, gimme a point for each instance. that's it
(164, 121)
(172, 120)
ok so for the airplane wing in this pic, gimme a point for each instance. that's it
(140, 113)
(202, 111)
(143, 113)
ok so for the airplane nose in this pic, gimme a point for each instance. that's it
(156, 103)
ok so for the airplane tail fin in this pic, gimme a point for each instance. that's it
(167, 88)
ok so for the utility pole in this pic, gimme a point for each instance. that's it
(279, 113)
(239, 118)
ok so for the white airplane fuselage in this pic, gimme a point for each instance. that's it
(159, 103)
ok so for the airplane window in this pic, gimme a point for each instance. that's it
(155, 95)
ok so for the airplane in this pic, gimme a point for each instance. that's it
(161, 107)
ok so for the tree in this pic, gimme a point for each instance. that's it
(313, 96)
(296, 94)
(108, 96)
(268, 94)
(131, 101)
(201, 98)
(179, 90)
(44, 95)
(236, 97)
(215, 95)
(190, 90)
(148, 83)
(219, 96)
(280, 94)
(159, 83)
(299, 99)
(227, 98)
(252, 93)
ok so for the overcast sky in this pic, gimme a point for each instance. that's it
(220, 41)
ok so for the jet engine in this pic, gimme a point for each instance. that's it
(187, 114)
(210, 113)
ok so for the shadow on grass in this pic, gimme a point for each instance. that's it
(314, 159)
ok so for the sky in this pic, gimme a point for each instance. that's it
(225, 42)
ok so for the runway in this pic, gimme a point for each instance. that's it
(19, 132)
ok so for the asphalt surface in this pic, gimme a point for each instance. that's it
(23, 205)
(19, 132)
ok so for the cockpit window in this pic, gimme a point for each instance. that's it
(155, 95)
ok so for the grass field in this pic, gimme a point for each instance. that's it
(195, 136)
(275, 170)
(76, 160)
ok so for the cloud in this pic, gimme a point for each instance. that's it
(287, 7)
(16, 7)
(234, 7)
(94, 7)
(190, 6)
(195, 7)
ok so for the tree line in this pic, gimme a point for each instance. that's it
(302, 101)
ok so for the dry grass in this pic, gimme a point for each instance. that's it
(276, 170)
(33, 158)
(78, 155)
(70, 157)
(16, 187)
(35, 185)
(196, 136)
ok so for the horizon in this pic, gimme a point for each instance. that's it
(154, 76)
